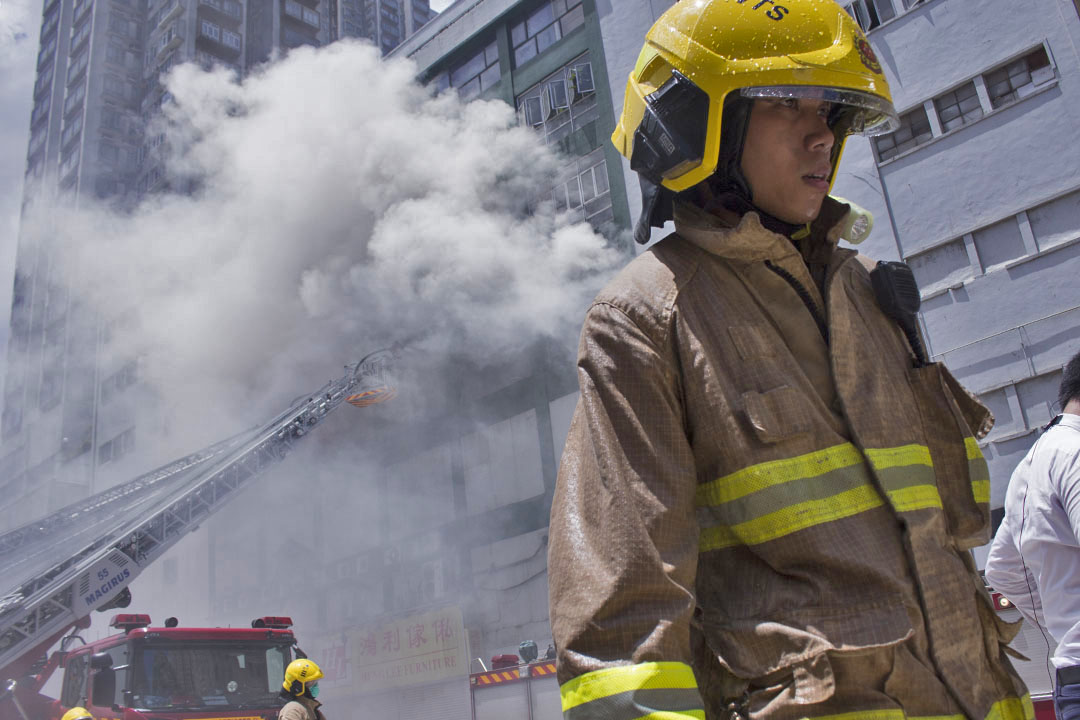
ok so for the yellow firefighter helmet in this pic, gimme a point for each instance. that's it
(701, 51)
(77, 713)
(300, 674)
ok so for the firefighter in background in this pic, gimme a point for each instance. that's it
(77, 713)
(301, 688)
(767, 497)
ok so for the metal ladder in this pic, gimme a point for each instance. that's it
(127, 527)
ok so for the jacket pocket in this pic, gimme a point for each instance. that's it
(778, 414)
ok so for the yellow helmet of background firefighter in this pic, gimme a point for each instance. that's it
(700, 51)
(77, 713)
(300, 674)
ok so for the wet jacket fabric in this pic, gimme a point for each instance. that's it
(302, 708)
(755, 517)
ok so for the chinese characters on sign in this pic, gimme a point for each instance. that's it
(409, 651)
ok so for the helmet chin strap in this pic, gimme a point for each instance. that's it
(728, 186)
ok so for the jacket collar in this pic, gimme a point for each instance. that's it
(749, 241)
(310, 703)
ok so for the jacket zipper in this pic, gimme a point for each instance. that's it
(804, 295)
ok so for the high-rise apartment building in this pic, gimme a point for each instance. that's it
(385, 22)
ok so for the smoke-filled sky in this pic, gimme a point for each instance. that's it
(339, 208)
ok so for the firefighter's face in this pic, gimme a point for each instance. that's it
(786, 157)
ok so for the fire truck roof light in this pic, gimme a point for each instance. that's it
(129, 621)
(274, 622)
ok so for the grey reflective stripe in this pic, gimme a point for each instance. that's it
(634, 704)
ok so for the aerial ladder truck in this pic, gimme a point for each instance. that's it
(59, 569)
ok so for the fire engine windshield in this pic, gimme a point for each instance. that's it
(210, 675)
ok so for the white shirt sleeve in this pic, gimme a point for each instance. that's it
(1068, 491)
(1007, 573)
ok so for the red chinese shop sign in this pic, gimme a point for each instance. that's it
(413, 650)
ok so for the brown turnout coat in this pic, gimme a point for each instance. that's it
(789, 516)
(302, 708)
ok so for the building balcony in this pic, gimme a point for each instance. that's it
(301, 13)
(218, 40)
(171, 38)
(227, 12)
(175, 10)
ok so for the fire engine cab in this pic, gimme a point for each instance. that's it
(172, 672)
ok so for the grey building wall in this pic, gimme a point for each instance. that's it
(983, 206)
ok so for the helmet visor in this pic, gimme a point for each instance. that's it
(853, 112)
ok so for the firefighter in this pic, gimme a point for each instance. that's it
(77, 713)
(300, 688)
(767, 496)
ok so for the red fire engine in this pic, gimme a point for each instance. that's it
(169, 672)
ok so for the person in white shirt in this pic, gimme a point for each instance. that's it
(1035, 557)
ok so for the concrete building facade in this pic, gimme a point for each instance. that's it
(384, 22)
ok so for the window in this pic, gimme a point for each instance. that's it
(73, 693)
(115, 86)
(119, 381)
(870, 13)
(914, 131)
(47, 52)
(52, 379)
(563, 102)
(74, 97)
(80, 10)
(231, 39)
(69, 164)
(959, 107)
(72, 129)
(108, 153)
(582, 191)
(80, 35)
(210, 30)
(44, 81)
(11, 419)
(941, 266)
(116, 448)
(1019, 78)
(475, 75)
(114, 53)
(544, 27)
(41, 109)
(37, 140)
(78, 65)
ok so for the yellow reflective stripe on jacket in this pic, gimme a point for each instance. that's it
(776, 472)
(798, 516)
(978, 470)
(907, 473)
(767, 501)
(656, 691)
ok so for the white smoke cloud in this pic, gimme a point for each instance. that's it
(337, 207)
